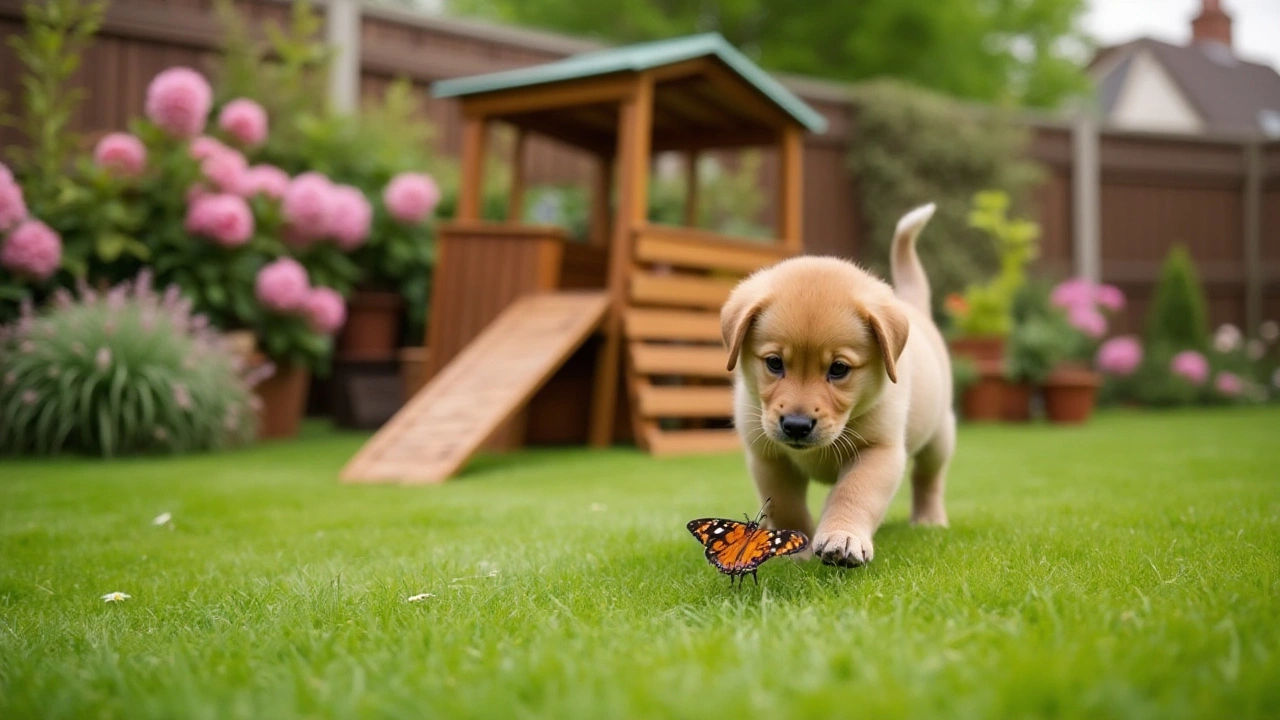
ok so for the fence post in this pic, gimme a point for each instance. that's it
(1085, 180)
(1252, 237)
(342, 32)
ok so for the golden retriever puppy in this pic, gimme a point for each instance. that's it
(841, 379)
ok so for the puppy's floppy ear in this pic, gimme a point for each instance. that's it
(890, 326)
(739, 311)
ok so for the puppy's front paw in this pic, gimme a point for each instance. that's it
(845, 549)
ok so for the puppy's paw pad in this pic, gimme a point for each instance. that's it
(843, 549)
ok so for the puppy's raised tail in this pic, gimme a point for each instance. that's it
(909, 281)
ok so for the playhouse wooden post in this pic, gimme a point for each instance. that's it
(515, 200)
(601, 196)
(635, 123)
(791, 189)
(691, 188)
(475, 137)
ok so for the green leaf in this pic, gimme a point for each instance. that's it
(109, 246)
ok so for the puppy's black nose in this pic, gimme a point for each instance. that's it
(797, 427)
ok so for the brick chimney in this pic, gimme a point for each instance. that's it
(1212, 25)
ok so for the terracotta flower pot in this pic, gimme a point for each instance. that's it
(980, 349)
(983, 401)
(373, 326)
(284, 401)
(1016, 406)
(1070, 395)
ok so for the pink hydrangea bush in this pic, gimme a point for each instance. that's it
(121, 153)
(1229, 384)
(32, 250)
(350, 217)
(13, 206)
(306, 207)
(325, 310)
(282, 286)
(178, 102)
(245, 121)
(1085, 303)
(224, 167)
(1190, 366)
(411, 197)
(1120, 356)
(224, 218)
(267, 180)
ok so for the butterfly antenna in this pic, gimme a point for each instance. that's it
(760, 515)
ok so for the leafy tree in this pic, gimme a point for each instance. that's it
(1025, 51)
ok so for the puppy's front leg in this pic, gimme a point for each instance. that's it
(786, 487)
(857, 504)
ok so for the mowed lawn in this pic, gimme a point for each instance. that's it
(1128, 569)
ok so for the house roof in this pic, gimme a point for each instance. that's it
(1229, 94)
(635, 58)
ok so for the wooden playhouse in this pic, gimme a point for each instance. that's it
(536, 339)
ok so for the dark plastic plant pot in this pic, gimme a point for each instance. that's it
(1070, 394)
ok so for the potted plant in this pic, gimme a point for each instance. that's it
(1071, 389)
(982, 317)
(1041, 339)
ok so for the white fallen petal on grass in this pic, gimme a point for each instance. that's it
(599, 507)
(116, 597)
(421, 597)
(162, 519)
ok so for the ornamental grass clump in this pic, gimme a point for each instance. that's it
(123, 372)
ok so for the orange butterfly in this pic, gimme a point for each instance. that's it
(738, 549)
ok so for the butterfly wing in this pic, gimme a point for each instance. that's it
(736, 548)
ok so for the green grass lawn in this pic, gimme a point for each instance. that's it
(1129, 569)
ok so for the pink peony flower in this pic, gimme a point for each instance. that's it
(1120, 355)
(306, 207)
(122, 153)
(178, 100)
(1076, 292)
(1087, 320)
(1228, 384)
(349, 217)
(224, 218)
(1110, 297)
(325, 310)
(33, 250)
(283, 286)
(13, 208)
(1191, 366)
(244, 120)
(410, 197)
(267, 180)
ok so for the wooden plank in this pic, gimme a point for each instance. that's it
(689, 360)
(791, 189)
(705, 251)
(635, 127)
(607, 88)
(475, 135)
(685, 401)
(515, 199)
(485, 386)
(667, 443)
(690, 188)
(680, 290)
(688, 325)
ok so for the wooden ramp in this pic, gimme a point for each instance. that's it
(444, 424)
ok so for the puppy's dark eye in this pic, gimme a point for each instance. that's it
(774, 363)
(837, 370)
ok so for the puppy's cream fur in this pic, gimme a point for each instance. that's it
(819, 316)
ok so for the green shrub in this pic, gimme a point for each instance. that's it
(119, 373)
(1041, 338)
(1177, 318)
(986, 308)
(911, 146)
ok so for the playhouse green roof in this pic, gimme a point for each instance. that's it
(634, 58)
